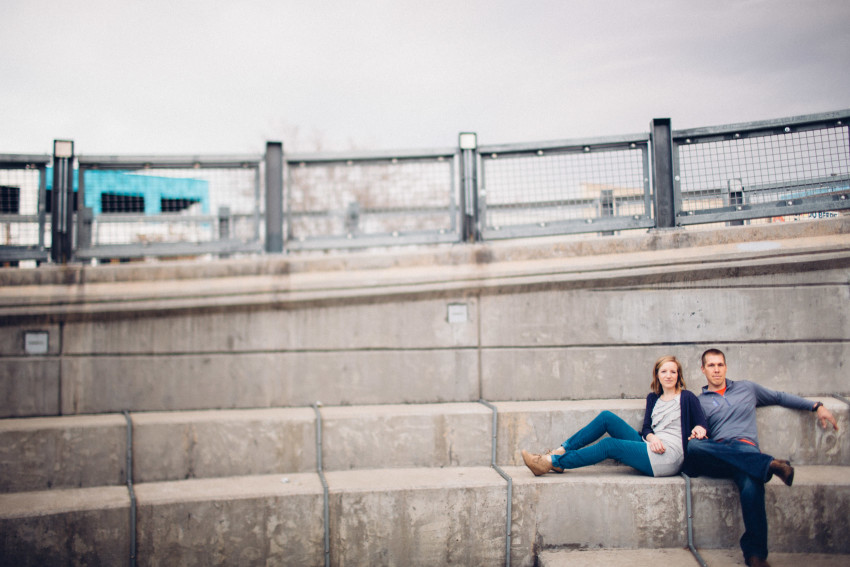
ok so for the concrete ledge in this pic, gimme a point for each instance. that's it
(254, 380)
(811, 516)
(680, 557)
(788, 434)
(87, 526)
(595, 507)
(422, 435)
(84, 451)
(215, 443)
(62, 452)
(529, 249)
(272, 519)
(418, 517)
(614, 507)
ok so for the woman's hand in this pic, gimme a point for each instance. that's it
(698, 432)
(655, 444)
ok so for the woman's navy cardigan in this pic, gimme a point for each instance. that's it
(692, 415)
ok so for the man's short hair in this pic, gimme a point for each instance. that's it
(713, 352)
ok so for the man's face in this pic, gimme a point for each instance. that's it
(715, 371)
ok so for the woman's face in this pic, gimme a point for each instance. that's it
(668, 375)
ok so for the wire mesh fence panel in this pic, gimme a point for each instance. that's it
(366, 201)
(24, 230)
(19, 207)
(763, 174)
(564, 190)
(166, 204)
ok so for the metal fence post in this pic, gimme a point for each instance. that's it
(274, 197)
(62, 201)
(468, 142)
(661, 138)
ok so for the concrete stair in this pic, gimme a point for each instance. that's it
(407, 484)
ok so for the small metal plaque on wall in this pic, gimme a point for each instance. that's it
(36, 342)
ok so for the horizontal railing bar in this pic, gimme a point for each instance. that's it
(577, 144)
(359, 156)
(170, 162)
(766, 125)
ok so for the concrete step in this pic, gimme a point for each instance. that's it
(80, 451)
(414, 516)
(791, 434)
(680, 558)
(83, 526)
(622, 509)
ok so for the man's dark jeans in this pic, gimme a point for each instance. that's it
(749, 469)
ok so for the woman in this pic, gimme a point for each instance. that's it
(673, 415)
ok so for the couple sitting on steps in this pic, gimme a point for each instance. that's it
(713, 434)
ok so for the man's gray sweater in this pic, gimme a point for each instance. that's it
(733, 414)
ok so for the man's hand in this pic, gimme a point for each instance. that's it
(655, 444)
(825, 417)
(698, 432)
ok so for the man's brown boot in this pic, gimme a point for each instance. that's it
(754, 561)
(538, 464)
(783, 470)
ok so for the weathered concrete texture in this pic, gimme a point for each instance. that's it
(572, 247)
(88, 526)
(798, 436)
(624, 557)
(733, 558)
(29, 386)
(609, 371)
(235, 521)
(390, 324)
(426, 516)
(114, 383)
(686, 315)
(180, 445)
(62, 452)
(812, 516)
(433, 435)
(13, 343)
(681, 558)
(595, 507)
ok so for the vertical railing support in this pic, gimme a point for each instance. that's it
(274, 197)
(661, 138)
(62, 231)
(470, 230)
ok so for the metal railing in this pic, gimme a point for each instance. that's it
(371, 199)
(776, 168)
(563, 187)
(174, 206)
(24, 222)
(130, 207)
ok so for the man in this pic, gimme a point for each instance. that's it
(733, 451)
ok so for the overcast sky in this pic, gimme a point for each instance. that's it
(223, 77)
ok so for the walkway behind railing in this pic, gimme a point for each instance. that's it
(167, 206)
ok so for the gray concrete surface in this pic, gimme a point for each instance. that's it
(405, 436)
(418, 517)
(67, 452)
(85, 451)
(215, 443)
(680, 558)
(534, 328)
(257, 520)
(85, 526)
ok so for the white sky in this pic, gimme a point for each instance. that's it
(223, 77)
